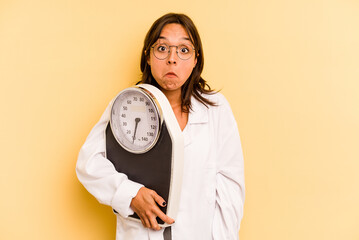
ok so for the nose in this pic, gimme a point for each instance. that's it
(172, 56)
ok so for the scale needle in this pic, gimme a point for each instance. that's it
(137, 120)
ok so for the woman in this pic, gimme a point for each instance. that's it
(212, 195)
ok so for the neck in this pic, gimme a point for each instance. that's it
(174, 97)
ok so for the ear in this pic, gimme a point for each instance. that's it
(195, 62)
(148, 59)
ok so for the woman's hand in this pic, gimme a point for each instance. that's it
(144, 204)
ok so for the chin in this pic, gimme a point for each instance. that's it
(170, 86)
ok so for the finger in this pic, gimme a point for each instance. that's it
(154, 224)
(148, 223)
(145, 222)
(160, 201)
(163, 216)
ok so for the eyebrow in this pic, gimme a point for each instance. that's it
(184, 38)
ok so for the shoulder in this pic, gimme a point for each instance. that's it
(217, 98)
(202, 113)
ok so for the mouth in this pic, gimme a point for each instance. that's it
(171, 74)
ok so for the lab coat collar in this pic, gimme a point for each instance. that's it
(198, 113)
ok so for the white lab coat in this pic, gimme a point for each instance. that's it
(212, 197)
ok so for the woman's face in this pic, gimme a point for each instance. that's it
(172, 72)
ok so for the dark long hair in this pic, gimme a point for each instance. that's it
(195, 84)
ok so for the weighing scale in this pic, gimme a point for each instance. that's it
(145, 142)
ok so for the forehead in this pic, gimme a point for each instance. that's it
(174, 32)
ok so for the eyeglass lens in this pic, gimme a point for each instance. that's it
(162, 51)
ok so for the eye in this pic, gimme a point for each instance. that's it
(184, 49)
(162, 48)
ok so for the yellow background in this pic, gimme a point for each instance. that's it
(290, 70)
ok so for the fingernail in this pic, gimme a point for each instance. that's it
(164, 204)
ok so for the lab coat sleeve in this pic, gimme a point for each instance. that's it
(229, 177)
(98, 174)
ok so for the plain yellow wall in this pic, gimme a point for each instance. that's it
(290, 70)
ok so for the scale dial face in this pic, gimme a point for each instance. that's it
(136, 120)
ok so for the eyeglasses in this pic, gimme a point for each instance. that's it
(162, 51)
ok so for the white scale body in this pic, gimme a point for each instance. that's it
(145, 142)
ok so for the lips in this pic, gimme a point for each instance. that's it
(171, 74)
